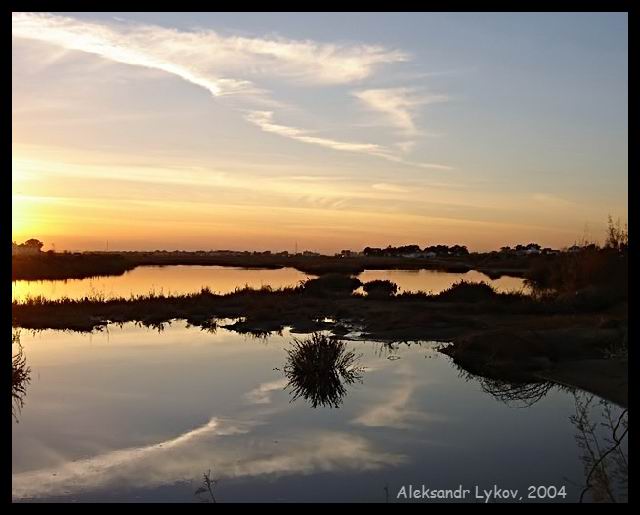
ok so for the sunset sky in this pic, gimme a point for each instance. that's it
(256, 131)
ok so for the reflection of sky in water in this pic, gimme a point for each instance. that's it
(169, 280)
(181, 279)
(136, 414)
(434, 281)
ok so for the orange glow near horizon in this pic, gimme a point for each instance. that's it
(53, 203)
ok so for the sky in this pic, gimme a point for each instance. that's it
(321, 131)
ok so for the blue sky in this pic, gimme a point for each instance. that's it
(335, 130)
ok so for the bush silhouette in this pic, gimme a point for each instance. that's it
(380, 289)
(465, 291)
(331, 285)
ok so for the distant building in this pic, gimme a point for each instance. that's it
(309, 253)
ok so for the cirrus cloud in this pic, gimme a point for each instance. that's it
(229, 66)
(398, 105)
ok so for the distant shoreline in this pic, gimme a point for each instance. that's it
(49, 266)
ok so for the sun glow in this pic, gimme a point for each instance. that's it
(21, 219)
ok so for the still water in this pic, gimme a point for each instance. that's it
(180, 279)
(135, 414)
(435, 281)
(169, 280)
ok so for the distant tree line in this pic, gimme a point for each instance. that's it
(29, 247)
(417, 251)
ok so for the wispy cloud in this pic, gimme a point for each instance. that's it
(399, 108)
(205, 57)
(265, 121)
(190, 453)
(395, 410)
(262, 393)
(139, 47)
(229, 66)
(551, 201)
(398, 105)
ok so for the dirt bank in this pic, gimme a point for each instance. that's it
(607, 378)
(589, 358)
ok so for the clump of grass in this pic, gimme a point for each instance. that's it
(319, 367)
(380, 289)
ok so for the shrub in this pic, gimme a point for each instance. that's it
(331, 284)
(465, 291)
(380, 289)
(589, 277)
(602, 270)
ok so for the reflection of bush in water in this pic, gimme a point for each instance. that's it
(524, 394)
(20, 376)
(319, 367)
(514, 394)
(601, 442)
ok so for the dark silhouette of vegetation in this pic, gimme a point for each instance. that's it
(51, 266)
(416, 251)
(588, 276)
(604, 457)
(331, 285)
(465, 291)
(31, 246)
(20, 376)
(207, 487)
(271, 310)
(379, 288)
(617, 236)
(261, 309)
(318, 368)
(67, 265)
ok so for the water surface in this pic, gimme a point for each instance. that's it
(181, 279)
(169, 280)
(435, 281)
(137, 414)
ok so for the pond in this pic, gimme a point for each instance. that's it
(181, 279)
(138, 414)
